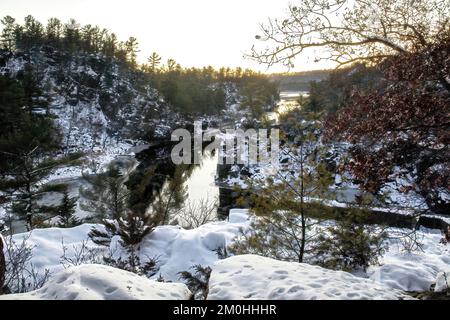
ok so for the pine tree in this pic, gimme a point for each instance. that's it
(172, 65)
(132, 49)
(132, 228)
(108, 196)
(27, 146)
(285, 212)
(121, 52)
(350, 244)
(197, 282)
(54, 31)
(33, 33)
(72, 36)
(35, 99)
(11, 100)
(154, 61)
(8, 35)
(109, 46)
(66, 212)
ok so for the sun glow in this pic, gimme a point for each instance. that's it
(194, 33)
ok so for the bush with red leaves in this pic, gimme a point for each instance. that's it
(403, 127)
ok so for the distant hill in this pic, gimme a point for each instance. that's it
(299, 81)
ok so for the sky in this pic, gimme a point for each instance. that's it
(195, 33)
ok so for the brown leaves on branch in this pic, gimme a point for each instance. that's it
(403, 124)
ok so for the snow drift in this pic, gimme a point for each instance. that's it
(260, 278)
(98, 282)
(178, 249)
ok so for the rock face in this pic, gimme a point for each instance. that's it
(94, 100)
(256, 277)
(98, 282)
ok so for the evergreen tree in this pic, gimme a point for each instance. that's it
(121, 52)
(27, 146)
(8, 35)
(154, 61)
(66, 212)
(350, 244)
(108, 196)
(110, 45)
(285, 214)
(131, 47)
(132, 228)
(171, 65)
(11, 101)
(71, 36)
(36, 101)
(33, 33)
(197, 282)
(54, 31)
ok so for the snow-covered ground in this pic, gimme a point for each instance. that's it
(98, 282)
(260, 278)
(178, 249)
(416, 270)
(175, 248)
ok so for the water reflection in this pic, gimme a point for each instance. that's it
(159, 186)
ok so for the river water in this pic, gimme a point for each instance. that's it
(202, 182)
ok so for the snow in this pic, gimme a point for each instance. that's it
(260, 278)
(48, 245)
(443, 281)
(416, 270)
(98, 282)
(177, 249)
(238, 216)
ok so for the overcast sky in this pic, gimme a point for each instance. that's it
(193, 32)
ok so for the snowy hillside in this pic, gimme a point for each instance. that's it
(94, 101)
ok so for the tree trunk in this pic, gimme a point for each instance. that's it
(2, 266)
(29, 209)
(302, 208)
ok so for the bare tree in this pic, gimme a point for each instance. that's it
(21, 275)
(81, 254)
(197, 213)
(346, 31)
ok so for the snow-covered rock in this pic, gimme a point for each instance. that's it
(443, 281)
(256, 277)
(98, 282)
(178, 249)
